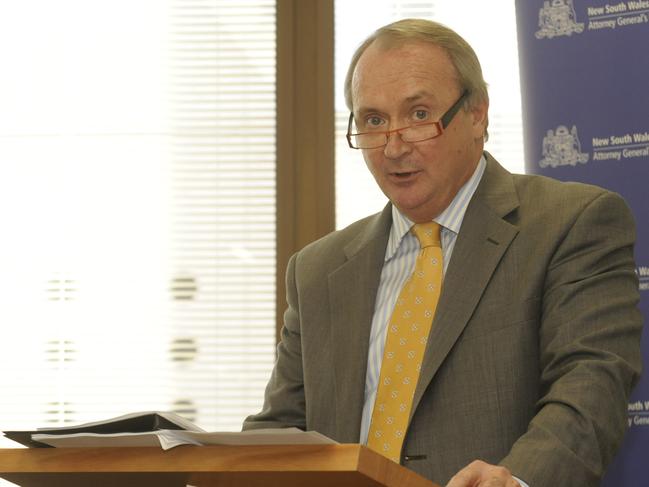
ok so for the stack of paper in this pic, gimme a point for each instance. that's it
(166, 430)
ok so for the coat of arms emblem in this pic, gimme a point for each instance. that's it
(558, 19)
(562, 148)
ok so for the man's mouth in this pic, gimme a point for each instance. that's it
(403, 174)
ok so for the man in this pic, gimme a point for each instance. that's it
(534, 345)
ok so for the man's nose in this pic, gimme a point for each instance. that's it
(396, 147)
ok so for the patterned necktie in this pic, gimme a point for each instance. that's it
(405, 343)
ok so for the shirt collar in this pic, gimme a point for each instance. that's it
(450, 219)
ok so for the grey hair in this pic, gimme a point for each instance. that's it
(460, 53)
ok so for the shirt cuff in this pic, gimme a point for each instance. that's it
(523, 484)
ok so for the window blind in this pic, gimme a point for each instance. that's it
(498, 54)
(223, 153)
(137, 195)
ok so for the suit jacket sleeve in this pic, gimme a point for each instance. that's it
(284, 403)
(589, 343)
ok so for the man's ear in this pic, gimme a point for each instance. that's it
(479, 114)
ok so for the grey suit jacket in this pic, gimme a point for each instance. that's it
(533, 351)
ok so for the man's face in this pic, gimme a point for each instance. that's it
(414, 83)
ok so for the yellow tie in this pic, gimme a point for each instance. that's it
(405, 343)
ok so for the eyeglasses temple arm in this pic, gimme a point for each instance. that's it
(448, 116)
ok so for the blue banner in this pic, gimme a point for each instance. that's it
(585, 97)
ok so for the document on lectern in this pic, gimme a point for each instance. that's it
(158, 429)
(167, 439)
(133, 423)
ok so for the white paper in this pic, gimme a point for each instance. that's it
(91, 440)
(279, 436)
(167, 439)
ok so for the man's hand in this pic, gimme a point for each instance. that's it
(482, 474)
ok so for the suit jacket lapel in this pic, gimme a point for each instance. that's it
(482, 241)
(352, 291)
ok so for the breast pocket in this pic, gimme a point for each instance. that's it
(498, 316)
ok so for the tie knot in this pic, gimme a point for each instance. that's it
(427, 234)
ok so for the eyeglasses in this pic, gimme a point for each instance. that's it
(411, 133)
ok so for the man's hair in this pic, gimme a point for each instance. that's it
(460, 53)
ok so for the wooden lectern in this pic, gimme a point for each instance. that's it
(206, 466)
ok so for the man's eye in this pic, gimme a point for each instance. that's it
(420, 115)
(374, 122)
